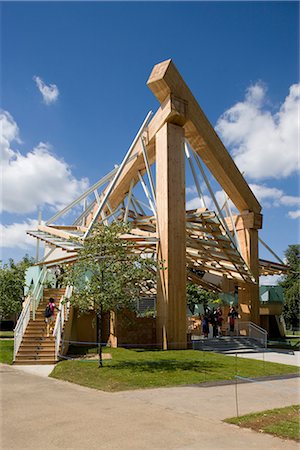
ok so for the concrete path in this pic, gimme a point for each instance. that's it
(278, 356)
(43, 413)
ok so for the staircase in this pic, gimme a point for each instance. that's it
(228, 345)
(36, 347)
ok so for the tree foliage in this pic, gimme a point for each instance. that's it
(291, 286)
(196, 295)
(12, 280)
(107, 276)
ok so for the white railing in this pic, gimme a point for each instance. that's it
(21, 325)
(62, 317)
(252, 331)
(30, 305)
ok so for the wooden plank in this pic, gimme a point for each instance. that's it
(57, 232)
(165, 80)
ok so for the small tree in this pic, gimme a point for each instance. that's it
(107, 276)
(12, 279)
(196, 295)
(291, 286)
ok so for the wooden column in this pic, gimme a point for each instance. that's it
(113, 337)
(170, 199)
(249, 300)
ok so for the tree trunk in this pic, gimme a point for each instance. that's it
(99, 318)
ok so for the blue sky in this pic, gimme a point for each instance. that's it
(240, 60)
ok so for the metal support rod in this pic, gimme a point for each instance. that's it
(133, 206)
(89, 191)
(84, 213)
(213, 197)
(117, 175)
(229, 213)
(128, 201)
(99, 183)
(97, 196)
(116, 211)
(194, 175)
(150, 178)
(38, 241)
(271, 251)
(147, 193)
(138, 204)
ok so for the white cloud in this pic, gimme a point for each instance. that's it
(264, 145)
(189, 190)
(9, 132)
(36, 178)
(14, 235)
(220, 197)
(195, 203)
(273, 197)
(49, 92)
(294, 214)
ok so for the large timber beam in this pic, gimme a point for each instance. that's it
(170, 201)
(165, 80)
(247, 226)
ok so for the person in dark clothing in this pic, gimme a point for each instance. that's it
(205, 325)
(214, 322)
(219, 315)
(232, 316)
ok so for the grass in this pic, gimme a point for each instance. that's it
(6, 334)
(282, 422)
(292, 333)
(139, 369)
(289, 343)
(6, 351)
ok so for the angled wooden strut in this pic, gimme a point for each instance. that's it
(165, 80)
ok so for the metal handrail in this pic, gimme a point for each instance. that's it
(254, 331)
(21, 325)
(254, 325)
(62, 317)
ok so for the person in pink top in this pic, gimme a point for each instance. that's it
(49, 315)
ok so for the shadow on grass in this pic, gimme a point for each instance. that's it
(165, 366)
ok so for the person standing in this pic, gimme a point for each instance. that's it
(219, 315)
(232, 316)
(205, 325)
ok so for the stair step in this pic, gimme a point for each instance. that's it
(35, 361)
(37, 347)
(227, 344)
(34, 356)
(40, 354)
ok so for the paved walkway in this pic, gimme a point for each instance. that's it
(278, 356)
(43, 413)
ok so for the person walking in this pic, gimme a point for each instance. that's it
(49, 315)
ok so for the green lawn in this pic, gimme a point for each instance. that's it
(138, 369)
(6, 351)
(282, 422)
(6, 334)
